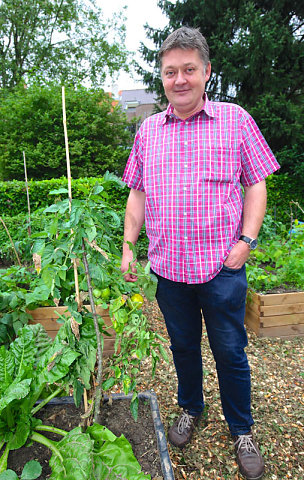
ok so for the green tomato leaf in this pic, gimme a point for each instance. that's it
(59, 191)
(150, 287)
(134, 406)
(53, 208)
(147, 268)
(109, 383)
(163, 353)
(97, 189)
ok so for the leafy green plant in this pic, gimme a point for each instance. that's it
(80, 232)
(31, 471)
(31, 363)
(20, 290)
(279, 259)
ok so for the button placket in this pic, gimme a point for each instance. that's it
(187, 188)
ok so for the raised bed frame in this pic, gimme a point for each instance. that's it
(48, 318)
(276, 315)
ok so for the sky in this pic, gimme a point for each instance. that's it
(138, 13)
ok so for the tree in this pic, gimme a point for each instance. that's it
(257, 56)
(31, 121)
(58, 40)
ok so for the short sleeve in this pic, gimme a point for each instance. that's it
(133, 174)
(258, 161)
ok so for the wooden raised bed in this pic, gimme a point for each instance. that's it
(276, 315)
(48, 318)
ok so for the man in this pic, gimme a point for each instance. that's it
(186, 172)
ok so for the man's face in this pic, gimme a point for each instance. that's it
(184, 78)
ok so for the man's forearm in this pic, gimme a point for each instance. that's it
(134, 217)
(254, 209)
(253, 215)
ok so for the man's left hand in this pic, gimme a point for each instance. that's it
(238, 255)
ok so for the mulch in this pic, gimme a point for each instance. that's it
(277, 403)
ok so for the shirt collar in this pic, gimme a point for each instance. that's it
(207, 108)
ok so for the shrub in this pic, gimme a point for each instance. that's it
(31, 121)
(13, 194)
(281, 191)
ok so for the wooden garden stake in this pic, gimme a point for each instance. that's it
(98, 391)
(69, 186)
(12, 243)
(66, 140)
(27, 196)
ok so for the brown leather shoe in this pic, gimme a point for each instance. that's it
(248, 457)
(182, 430)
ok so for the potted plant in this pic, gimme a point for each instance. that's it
(275, 273)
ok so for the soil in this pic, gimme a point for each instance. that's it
(282, 289)
(117, 417)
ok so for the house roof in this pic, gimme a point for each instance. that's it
(136, 97)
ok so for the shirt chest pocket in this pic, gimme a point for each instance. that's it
(221, 165)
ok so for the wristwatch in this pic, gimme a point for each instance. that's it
(251, 242)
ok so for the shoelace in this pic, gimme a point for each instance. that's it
(185, 422)
(245, 442)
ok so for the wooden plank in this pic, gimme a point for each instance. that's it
(282, 298)
(50, 324)
(278, 320)
(286, 309)
(252, 321)
(282, 331)
(51, 333)
(253, 297)
(48, 312)
(254, 307)
(108, 347)
(48, 318)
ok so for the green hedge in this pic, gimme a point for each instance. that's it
(281, 191)
(14, 207)
(13, 198)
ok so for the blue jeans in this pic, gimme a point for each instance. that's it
(222, 302)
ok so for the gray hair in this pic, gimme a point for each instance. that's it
(186, 38)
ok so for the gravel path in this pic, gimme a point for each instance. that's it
(277, 401)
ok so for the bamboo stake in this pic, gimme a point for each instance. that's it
(70, 208)
(27, 196)
(12, 243)
(98, 390)
(69, 186)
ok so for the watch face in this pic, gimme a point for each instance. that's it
(253, 244)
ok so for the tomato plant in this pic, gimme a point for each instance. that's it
(79, 232)
(84, 230)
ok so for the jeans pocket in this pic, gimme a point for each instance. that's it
(233, 270)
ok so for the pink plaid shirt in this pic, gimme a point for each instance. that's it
(192, 171)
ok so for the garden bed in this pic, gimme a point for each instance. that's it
(277, 405)
(276, 314)
(116, 416)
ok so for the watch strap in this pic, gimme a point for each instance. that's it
(251, 242)
(246, 239)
